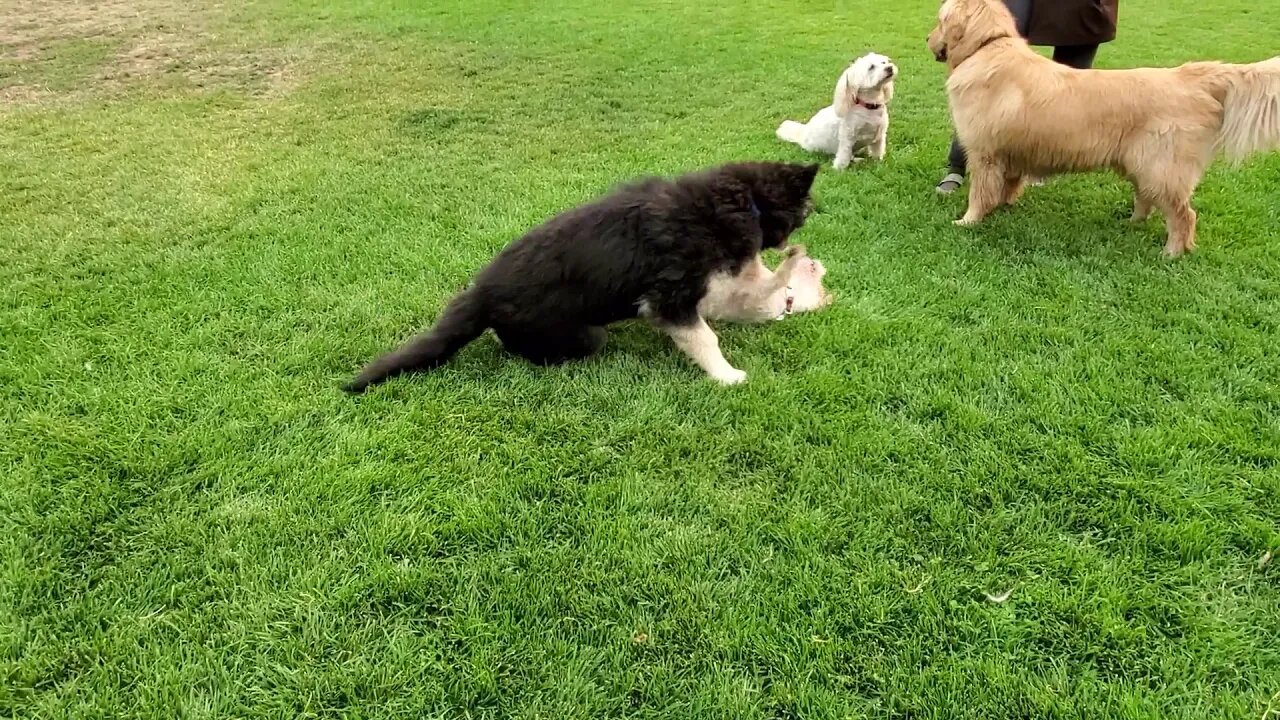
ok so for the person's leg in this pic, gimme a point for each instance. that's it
(1021, 11)
(956, 158)
(1079, 57)
(956, 163)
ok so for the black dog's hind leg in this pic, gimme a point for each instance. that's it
(553, 345)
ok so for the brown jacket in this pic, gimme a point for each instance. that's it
(1072, 22)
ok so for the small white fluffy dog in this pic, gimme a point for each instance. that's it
(857, 120)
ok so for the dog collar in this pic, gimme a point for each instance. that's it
(980, 48)
(867, 105)
(791, 299)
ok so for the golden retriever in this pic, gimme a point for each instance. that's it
(1019, 114)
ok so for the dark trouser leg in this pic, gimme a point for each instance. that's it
(1021, 11)
(956, 159)
(1079, 57)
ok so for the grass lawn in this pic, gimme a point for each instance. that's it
(212, 213)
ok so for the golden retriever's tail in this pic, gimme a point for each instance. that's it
(1251, 109)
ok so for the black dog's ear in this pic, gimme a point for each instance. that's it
(802, 178)
(733, 195)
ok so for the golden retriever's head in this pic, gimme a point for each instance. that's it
(966, 26)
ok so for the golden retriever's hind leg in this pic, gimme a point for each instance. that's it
(1013, 187)
(1180, 221)
(986, 192)
(1170, 185)
(1189, 240)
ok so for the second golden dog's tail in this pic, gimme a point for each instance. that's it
(1250, 97)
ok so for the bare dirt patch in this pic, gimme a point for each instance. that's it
(23, 95)
(153, 42)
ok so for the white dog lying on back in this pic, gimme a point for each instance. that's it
(857, 121)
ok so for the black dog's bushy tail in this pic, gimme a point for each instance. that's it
(462, 321)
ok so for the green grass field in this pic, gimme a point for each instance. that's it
(210, 217)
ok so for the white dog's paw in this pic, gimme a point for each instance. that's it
(840, 163)
(730, 376)
(965, 222)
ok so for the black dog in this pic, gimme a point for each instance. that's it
(645, 250)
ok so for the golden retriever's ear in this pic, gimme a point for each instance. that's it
(952, 21)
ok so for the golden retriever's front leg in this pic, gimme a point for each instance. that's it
(1141, 208)
(986, 192)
